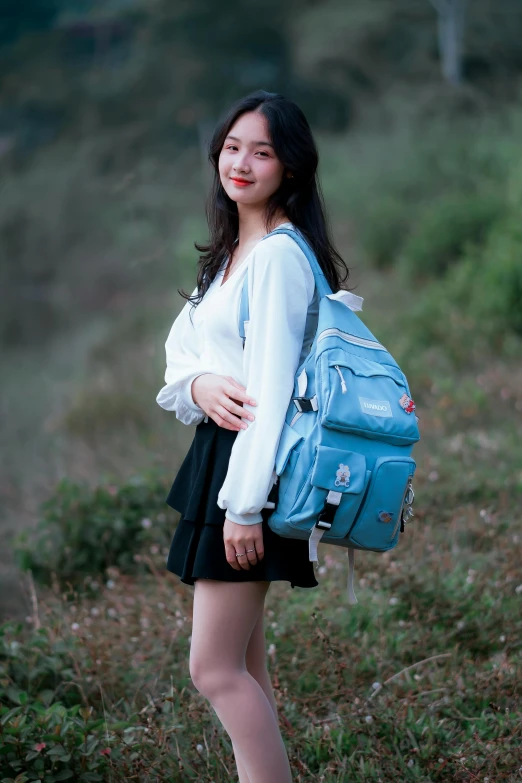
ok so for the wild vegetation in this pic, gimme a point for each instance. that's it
(99, 210)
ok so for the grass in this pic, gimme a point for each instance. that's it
(418, 682)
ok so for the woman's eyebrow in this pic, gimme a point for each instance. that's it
(254, 143)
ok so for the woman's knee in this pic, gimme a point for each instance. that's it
(211, 680)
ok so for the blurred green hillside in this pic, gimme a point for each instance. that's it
(105, 110)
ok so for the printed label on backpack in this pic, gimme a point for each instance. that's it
(376, 407)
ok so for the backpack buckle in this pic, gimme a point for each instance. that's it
(305, 404)
(327, 515)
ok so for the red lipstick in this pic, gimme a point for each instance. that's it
(241, 183)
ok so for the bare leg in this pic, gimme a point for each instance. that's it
(256, 665)
(225, 615)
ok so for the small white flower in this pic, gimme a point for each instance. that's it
(154, 549)
(411, 763)
(179, 622)
(199, 748)
(161, 605)
(433, 476)
(402, 623)
(518, 589)
(111, 611)
(274, 625)
(460, 625)
(111, 584)
(271, 649)
(322, 570)
(75, 626)
(376, 685)
(326, 728)
(502, 638)
(144, 622)
(368, 719)
(294, 660)
(177, 613)
(393, 601)
(95, 611)
(146, 522)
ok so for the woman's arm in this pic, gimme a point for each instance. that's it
(281, 286)
(183, 367)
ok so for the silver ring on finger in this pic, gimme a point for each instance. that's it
(241, 554)
(251, 550)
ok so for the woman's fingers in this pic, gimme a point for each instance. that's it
(230, 554)
(228, 420)
(237, 410)
(243, 540)
(243, 394)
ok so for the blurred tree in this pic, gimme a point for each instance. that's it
(21, 16)
(451, 23)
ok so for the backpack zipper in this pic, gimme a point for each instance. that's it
(343, 382)
(351, 338)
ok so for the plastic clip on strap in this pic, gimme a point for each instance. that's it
(306, 404)
(324, 522)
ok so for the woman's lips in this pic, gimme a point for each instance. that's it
(241, 183)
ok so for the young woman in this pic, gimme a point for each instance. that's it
(265, 162)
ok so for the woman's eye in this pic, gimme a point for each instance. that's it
(262, 152)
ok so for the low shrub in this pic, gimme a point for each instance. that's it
(49, 730)
(82, 531)
(476, 306)
(445, 229)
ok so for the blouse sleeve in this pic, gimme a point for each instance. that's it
(281, 286)
(183, 366)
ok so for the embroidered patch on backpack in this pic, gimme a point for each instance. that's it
(385, 516)
(407, 403)
(343, 476)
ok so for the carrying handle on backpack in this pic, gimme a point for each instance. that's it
(321, 282)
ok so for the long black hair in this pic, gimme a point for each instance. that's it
(299, 197)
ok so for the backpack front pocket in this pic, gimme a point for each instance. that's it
(366, 398)
(378, 522)
(332, 470)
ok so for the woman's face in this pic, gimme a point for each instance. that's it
(249, 170)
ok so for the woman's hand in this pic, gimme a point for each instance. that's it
(241, 538)
(222, 398)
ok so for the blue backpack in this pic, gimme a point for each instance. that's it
(343, 466)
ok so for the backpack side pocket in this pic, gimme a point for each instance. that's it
(378, 523)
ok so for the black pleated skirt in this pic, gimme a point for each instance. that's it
(197, 550)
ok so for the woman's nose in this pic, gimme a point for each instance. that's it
(241, 163)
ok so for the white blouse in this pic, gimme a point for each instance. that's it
(283, 319)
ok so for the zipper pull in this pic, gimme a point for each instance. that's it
(343, 382)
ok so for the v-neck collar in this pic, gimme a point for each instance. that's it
(224, 268)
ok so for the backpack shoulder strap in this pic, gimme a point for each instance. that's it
(321, 282)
